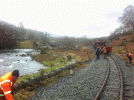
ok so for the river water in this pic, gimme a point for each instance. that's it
(12, 59)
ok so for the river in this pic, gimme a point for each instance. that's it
(18, 59)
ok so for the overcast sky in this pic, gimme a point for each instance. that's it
(74, 18)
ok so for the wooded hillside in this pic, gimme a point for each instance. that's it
(11, 36)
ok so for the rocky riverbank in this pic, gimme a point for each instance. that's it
(38, 78)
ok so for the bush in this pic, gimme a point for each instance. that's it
(122, 43)
(69, 58)
(43, 51)
(132, 40)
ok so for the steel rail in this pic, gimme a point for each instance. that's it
(121, 79)
(104, 83)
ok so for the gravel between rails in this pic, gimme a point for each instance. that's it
(128, 78)
(112, 89)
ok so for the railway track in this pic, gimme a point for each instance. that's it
(85, 83)
(112, 87)
(128, 78)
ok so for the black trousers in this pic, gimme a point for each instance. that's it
(130, 60)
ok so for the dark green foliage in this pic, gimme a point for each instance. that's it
(43, 51)
(69, 58)
(35, 45)
(7, 40)
(11, 36)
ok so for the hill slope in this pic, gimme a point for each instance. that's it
(123, 45)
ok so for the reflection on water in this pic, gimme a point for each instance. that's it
(12, 59)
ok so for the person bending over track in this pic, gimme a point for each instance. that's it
(7, 84)
(130, 56)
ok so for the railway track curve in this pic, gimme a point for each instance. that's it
(128, 78)
(112, 87)
(86, 82)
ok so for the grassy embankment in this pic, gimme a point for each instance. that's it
(25, 44)
(49, 60)
(124, 45)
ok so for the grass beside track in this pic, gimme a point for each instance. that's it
(30, 91)
(49, 60)
(47, 70)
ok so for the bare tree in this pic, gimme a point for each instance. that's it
(21, 25)
(22, 30)
(127, 18)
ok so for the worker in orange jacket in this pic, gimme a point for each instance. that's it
(7, 83)
(104, 51)
(130, 56)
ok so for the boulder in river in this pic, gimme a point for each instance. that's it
(23, 55)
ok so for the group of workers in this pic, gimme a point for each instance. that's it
(99, 51)
(8, 80)
(104, 51)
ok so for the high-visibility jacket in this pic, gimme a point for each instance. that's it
(6, 84)
(104, 50)
(130, 55)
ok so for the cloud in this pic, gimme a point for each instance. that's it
(76, 18)
(93, 27)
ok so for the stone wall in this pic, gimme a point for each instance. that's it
(35, 80)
